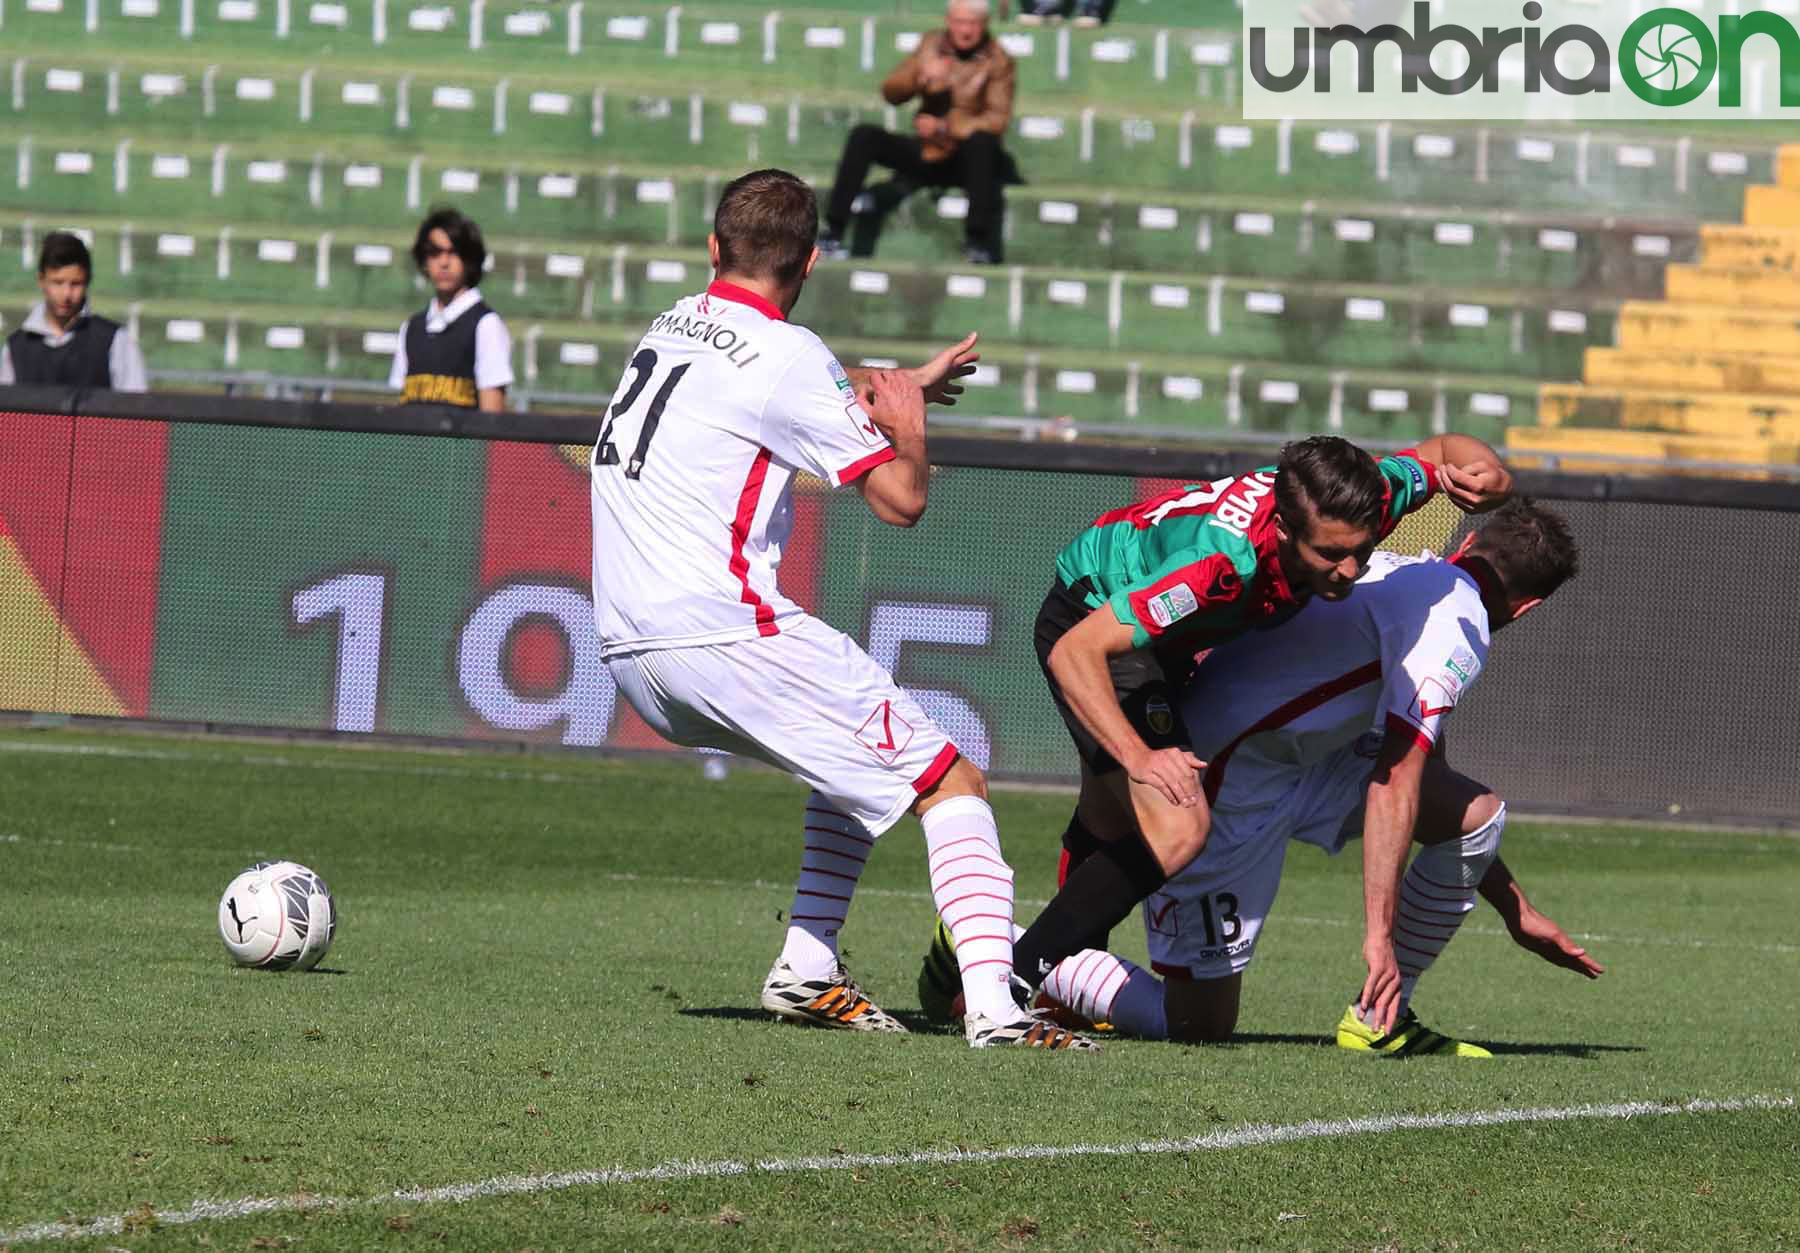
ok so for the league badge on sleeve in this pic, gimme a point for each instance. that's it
(839, 377)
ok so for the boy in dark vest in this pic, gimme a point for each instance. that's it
(457, 350)
(61, 344)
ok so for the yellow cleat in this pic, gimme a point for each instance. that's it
(1409, 1038)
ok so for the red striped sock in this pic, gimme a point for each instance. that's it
(836, 847)
(1436, 895)
(973, 888)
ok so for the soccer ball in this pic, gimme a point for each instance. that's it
(277, 915)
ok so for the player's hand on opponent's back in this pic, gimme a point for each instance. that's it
(1476, 487)
(940, 378)
(1537, 933)
(1174, 772)
(896, 405)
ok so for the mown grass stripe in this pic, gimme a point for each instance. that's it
(1253, 1135)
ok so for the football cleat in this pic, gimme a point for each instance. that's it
(1063, 1016)
(832, 1001)
(1409, 1038)
(1029, 1030)
(940, 979)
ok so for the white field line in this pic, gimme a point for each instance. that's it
(1251, 1135)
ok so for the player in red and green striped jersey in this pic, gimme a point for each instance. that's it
(1144, 589)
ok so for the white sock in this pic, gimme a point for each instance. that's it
(973, 888)
(1437, 894)
(836, 846)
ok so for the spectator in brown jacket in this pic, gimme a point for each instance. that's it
(963, 80)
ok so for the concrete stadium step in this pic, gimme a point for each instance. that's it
(447, 110)
(1787, 165)
(1121, 392)
(1692, 372)
(1172, 63)
(1215, 234)
(1731, 247)
(1659, 326)
(1771, 207)
(1304, 322)
(1746, 415)
(1584, 451)
(1743, 288)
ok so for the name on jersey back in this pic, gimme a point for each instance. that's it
(734, 346)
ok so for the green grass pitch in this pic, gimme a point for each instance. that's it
(548, 965)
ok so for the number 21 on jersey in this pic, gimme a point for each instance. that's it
(642, 367)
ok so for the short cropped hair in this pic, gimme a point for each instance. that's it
(465, 241)
(63, 248)
(1529, 547)
(975, 8)
(1328, 477)
(767, 223)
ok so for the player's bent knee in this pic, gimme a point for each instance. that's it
(1202, 1011)
(1482, 810)
(1176, 836)
(963, 778)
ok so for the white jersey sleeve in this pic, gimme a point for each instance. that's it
(1433, 648)
(815, 421)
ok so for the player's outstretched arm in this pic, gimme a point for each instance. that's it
(896, 490)
(1471, 473)
(1389, 818)
(1533, 931)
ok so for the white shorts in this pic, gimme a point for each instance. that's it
(1204, 923)
(808, 701)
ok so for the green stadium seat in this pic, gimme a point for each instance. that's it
(1056, 311)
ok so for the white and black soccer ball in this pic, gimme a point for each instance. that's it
(277, 915)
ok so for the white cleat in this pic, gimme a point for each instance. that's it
(1029, 1030)
(832, 1001)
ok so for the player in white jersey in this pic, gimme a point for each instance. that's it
(723, 402)
(1323, 729)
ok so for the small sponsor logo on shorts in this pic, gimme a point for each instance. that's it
(1163, 913)
(885, 733)
(1158, 715)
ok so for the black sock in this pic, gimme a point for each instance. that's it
(1079, 844)
(1096, 898)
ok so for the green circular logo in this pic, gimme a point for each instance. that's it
(1668, 57)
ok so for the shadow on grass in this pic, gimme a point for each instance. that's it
(1584, 1052)
(912, 1021)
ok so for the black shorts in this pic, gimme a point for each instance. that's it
(1139, 681)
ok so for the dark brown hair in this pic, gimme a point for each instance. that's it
(1328, 477)
(64, 248)
(1529, 547)
(766, 224)
(465, 241)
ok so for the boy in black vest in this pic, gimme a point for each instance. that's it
(61, 344)
(457, 350)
